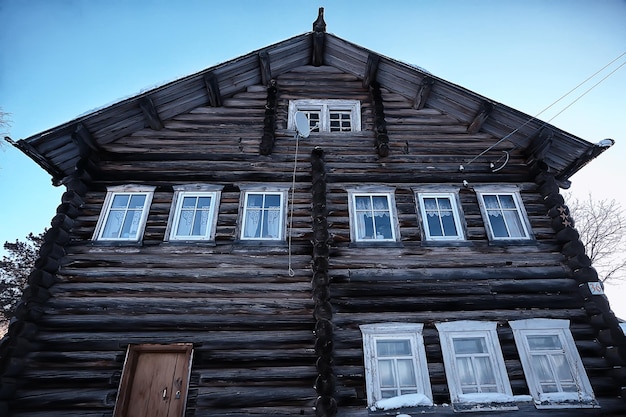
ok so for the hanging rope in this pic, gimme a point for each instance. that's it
(293, 193)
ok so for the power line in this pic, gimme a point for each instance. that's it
(555, 102)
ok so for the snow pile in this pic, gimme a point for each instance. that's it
(407, 400)
(562, 397)
(486, 397)
(523, 398)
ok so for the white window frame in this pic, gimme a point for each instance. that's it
(500, 190)
(193, 190)
(131, 190)
(399, 331)
(452, 195)
(583, 397)
(325, 107)
(502, 398)
(246, 191)
(374, 191)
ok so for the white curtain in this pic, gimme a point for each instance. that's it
(273, 221)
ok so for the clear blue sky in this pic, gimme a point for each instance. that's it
(61, 58)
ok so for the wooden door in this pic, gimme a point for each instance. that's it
(154, 381)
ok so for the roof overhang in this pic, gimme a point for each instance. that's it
(58, 150)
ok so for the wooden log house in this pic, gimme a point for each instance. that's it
(407, 250)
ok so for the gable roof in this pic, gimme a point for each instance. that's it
(57, 150)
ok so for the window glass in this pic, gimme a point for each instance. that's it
(474, 365)
(263, 216)
(475, 370)
(329, 115)
(396, 367)
(395, 361)
(373, 217)
(552, 366)
(315, 119)
(124, 216)
(554, 371)
(194, 218)
(503, 213)
(340, 120)
(440, 216)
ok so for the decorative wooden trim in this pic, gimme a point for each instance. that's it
(325, 382)
(264, 65)
(423, 92)
(150, 113)
(481, 117)
(380, 125)
(213, 89)
(319, 37)
(269, 121)
(43, 162)
(539, 144)
(84, 140)
(371, 68)
(319, 25)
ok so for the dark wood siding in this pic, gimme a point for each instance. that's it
(251, 323)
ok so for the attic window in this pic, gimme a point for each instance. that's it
(124, 213)
(554, 371)
(327, 115)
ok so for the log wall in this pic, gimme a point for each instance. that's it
(252, 324)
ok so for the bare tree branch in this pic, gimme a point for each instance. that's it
(602, 226)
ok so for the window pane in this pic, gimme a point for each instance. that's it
(189, 202)
(406, 373)
(507, 202)
(381, 203)
(364, 226)
(466, 375)
(491, 202)
(563, 369)
(120, 201)
(314, 119)
(547, 342)
(393, 348)
(514, 224)
(541, 365)
(185, 223)
(444, 204)
(253, 223)
(465, 345)
(340, 121)
(114, 224)
(137, 201)
(255, 200)
(497, 224)
(434, 224)
(485, 371)
(200, 223)
(272, 200)
(383, 226)
(131, 224)
(387, 376)
(204, 202)
(363, 203)
(448, 225)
